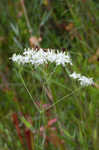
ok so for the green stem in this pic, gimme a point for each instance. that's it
(61, 99)
(29, 93)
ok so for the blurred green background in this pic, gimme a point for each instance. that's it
(70, 25)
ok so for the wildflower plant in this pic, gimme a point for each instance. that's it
(48, 98)
(47, 66)
(39, 57)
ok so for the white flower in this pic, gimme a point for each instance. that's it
(62, 59)
(37, 57)
(51, 56)
(74, 75)
(17, 58)
(84, 81)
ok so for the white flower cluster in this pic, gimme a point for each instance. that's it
(37, 57)
(84, 81)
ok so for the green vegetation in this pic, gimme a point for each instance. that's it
(72, 123)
